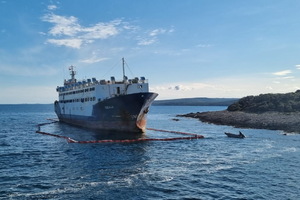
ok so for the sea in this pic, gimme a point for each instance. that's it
(264, 165)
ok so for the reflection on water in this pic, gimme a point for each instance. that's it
(84, 134)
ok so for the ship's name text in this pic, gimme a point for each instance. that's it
(109, 107)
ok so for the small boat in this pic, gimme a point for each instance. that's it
(240, 135)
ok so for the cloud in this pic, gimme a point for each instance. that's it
(184, 87)
(73, 43)
(93, 60)
(101, 30)
(282, 73)
(52, 7)
(204, 45)
(146, 41)
(69, 32)
(288, 77)
(158, 31)
(297, 66)
(226, 87)
(177, 87)
(66, 31)
(62, 25)
(152, 36)
(179, 90)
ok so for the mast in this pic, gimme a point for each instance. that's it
(123, 65)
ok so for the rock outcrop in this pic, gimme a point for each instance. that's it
(289, 122)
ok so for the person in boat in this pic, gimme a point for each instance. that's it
(241, 134)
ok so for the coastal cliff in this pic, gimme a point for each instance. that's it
(266, 111)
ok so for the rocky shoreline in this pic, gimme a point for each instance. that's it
(288, 122)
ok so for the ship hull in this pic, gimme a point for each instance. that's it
(122, 113)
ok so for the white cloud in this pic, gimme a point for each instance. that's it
(179, 90)
(93, 60)
(204, 45)
(73, 43)
(185, 87)
(146, 41)
(297, 66)
(67, 26)
(52, 7)
(68, 32)
(158, 31)
(152, 36)
(288, 77)
(101, 30)
(282, 73)
(226, 87)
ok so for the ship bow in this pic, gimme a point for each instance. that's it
(141, 121)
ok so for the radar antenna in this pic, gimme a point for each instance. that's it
(72, 73)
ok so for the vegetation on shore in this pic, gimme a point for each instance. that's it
(289, 102)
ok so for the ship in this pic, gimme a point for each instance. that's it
(110, 105)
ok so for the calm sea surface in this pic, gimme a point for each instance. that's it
(264, 165)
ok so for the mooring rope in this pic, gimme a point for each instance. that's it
(70, 140)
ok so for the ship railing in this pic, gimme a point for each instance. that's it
(90, 82)
(126, 81)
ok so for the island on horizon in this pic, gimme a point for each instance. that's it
(198, 101)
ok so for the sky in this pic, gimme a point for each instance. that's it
(190, 48)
